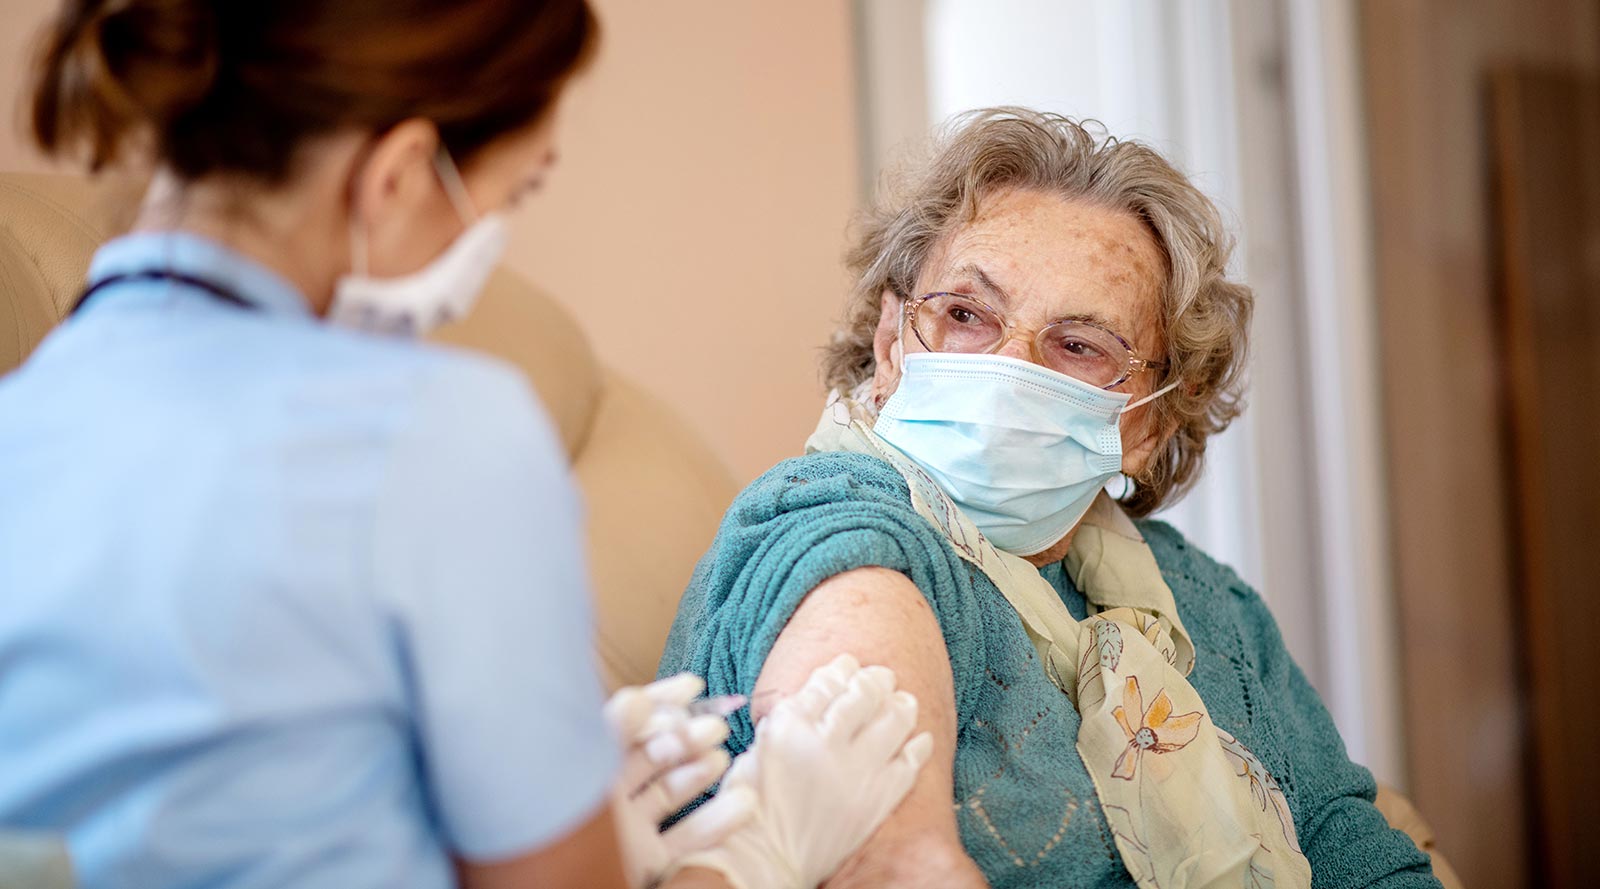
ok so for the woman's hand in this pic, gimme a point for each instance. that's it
(670, 758)
(828, 766)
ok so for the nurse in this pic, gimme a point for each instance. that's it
(287, 602)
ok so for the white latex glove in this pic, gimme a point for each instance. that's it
(670, 757)
(828, 765)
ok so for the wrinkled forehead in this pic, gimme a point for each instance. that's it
(1040, 258)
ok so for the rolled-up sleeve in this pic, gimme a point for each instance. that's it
(804, 521)
(479, 559)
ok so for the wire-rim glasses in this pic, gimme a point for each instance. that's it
(1083, 350)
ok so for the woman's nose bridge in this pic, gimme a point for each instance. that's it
(1020, 345)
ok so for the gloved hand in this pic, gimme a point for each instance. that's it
(828, 765)
(670, 757)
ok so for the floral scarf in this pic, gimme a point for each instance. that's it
(1188, 805)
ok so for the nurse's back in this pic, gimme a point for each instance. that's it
(281, 603)
(220, 660)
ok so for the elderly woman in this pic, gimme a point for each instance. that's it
(1036, 311)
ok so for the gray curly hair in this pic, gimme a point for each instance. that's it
(1205, 317)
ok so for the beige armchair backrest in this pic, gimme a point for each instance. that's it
(653, 491)
(48, 229)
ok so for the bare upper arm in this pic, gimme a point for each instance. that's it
(876, 614)
(881, 617)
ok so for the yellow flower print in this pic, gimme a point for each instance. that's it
(1158, 731)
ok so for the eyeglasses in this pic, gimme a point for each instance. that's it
(1083, 350)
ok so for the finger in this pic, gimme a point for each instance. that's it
(664, 719)
(861, 701)
(742, 773)
(675, 691)
(881, 676)
(648, 760)
(823, 685)
(809, 703)
(636, 771)
(882, 737)
(667, 712)
(835, 673)
(896, 781)
(902, 771)
(712, 823)
(684, 783)
(687, 741)
(627, 711)
(917, 751)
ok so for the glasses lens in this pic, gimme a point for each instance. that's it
(950, 322)
(1084, 352)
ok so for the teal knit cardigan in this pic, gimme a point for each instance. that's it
(1026, 806)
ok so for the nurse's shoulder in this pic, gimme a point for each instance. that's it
(480, 410)
(431, 397)
(445, 457)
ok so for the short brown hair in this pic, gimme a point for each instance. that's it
(1205, 317)
(236, 86)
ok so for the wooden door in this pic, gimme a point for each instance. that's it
(1546, 175)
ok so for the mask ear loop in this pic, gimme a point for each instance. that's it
(358, 246)
(1151, 397)
(1127, 480)
(1159, 392)
(899, 342)
(454, 186)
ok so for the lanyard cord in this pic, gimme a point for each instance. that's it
(214, 290)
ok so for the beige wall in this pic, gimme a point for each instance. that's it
(695, 224)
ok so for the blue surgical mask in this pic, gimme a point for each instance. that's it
(1022, 449)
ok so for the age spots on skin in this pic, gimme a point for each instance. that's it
(1056, 258)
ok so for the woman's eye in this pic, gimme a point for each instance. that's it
(961, 315)
(1080, 349)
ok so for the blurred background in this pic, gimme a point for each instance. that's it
(1415, 185)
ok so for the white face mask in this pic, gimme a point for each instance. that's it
(441, 291)
(1022, 449)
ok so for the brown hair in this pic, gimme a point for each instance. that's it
(236, 86)
(1205, 317)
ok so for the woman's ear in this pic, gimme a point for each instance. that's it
(886, 346)
(394, 167)
(393, 186)
(1144, 433)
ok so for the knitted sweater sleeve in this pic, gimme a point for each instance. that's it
(802, 522)
(1346, 839)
